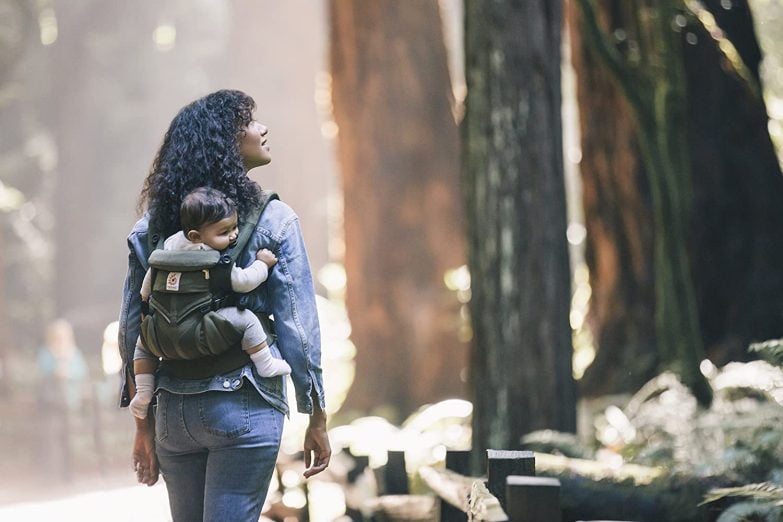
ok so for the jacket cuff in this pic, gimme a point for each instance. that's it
(304, 400)
(124, 391)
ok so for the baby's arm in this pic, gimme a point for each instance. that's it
(245, 280)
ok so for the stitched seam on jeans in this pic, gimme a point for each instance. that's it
(182, 418)
(163, 433)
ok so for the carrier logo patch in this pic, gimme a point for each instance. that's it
(172, 281)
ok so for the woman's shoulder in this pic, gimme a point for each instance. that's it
(276, 218)
(281, 208)
(140, 227)
(137, 239)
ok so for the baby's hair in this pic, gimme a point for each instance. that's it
(204, 206)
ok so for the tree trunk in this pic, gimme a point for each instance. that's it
(398, 154)
(730, 237)
(648, 68)
(616, 201)
(515, 200)
(26, 152)
(15, 41)
(737, 221)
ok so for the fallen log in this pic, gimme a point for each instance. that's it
(402, 508)
(468, 494)
(451, 487)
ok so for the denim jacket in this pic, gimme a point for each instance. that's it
(288, 294)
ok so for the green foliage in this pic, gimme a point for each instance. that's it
(734, 441)
(759, 492)
(764, 502)
(737, 438)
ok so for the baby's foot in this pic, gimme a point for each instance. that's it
(274, 368)
(267, 365)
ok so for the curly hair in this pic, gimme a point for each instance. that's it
(200, 149)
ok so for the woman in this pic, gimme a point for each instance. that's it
(216, 439)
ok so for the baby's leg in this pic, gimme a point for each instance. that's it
(254, 342)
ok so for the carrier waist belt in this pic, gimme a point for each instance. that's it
(205, 367)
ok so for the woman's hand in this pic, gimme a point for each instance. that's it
(145, 462)
(317, 451)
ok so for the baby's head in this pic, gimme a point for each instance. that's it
(208, 216)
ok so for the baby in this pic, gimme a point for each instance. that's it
(209, 222)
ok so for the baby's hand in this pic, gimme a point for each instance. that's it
(267, 257)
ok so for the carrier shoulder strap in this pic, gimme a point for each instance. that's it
(221, 282)
(155, 239)
(248, 224)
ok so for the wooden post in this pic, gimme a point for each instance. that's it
(459, 462)
(395, 477)
(532, 499)
(360, 464)
(501, 464)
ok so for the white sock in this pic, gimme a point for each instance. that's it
(268, 366)
(145, 387)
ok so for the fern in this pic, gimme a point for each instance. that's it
(760, 492)
(771, 351)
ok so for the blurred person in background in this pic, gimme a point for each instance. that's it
(63, 372)
(215, 439)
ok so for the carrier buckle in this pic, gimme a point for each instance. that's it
(220, 302)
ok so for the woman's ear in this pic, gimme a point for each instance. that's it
(193, 236)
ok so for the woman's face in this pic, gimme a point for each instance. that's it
(253, 146)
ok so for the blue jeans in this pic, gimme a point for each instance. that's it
(217, 451)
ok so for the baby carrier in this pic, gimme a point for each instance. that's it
(181, 323)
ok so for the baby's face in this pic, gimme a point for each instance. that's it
(221, 234)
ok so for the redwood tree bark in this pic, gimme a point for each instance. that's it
(734, 231)
(398, 154)
(515, 203)
(616, 202)
(737, 222)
